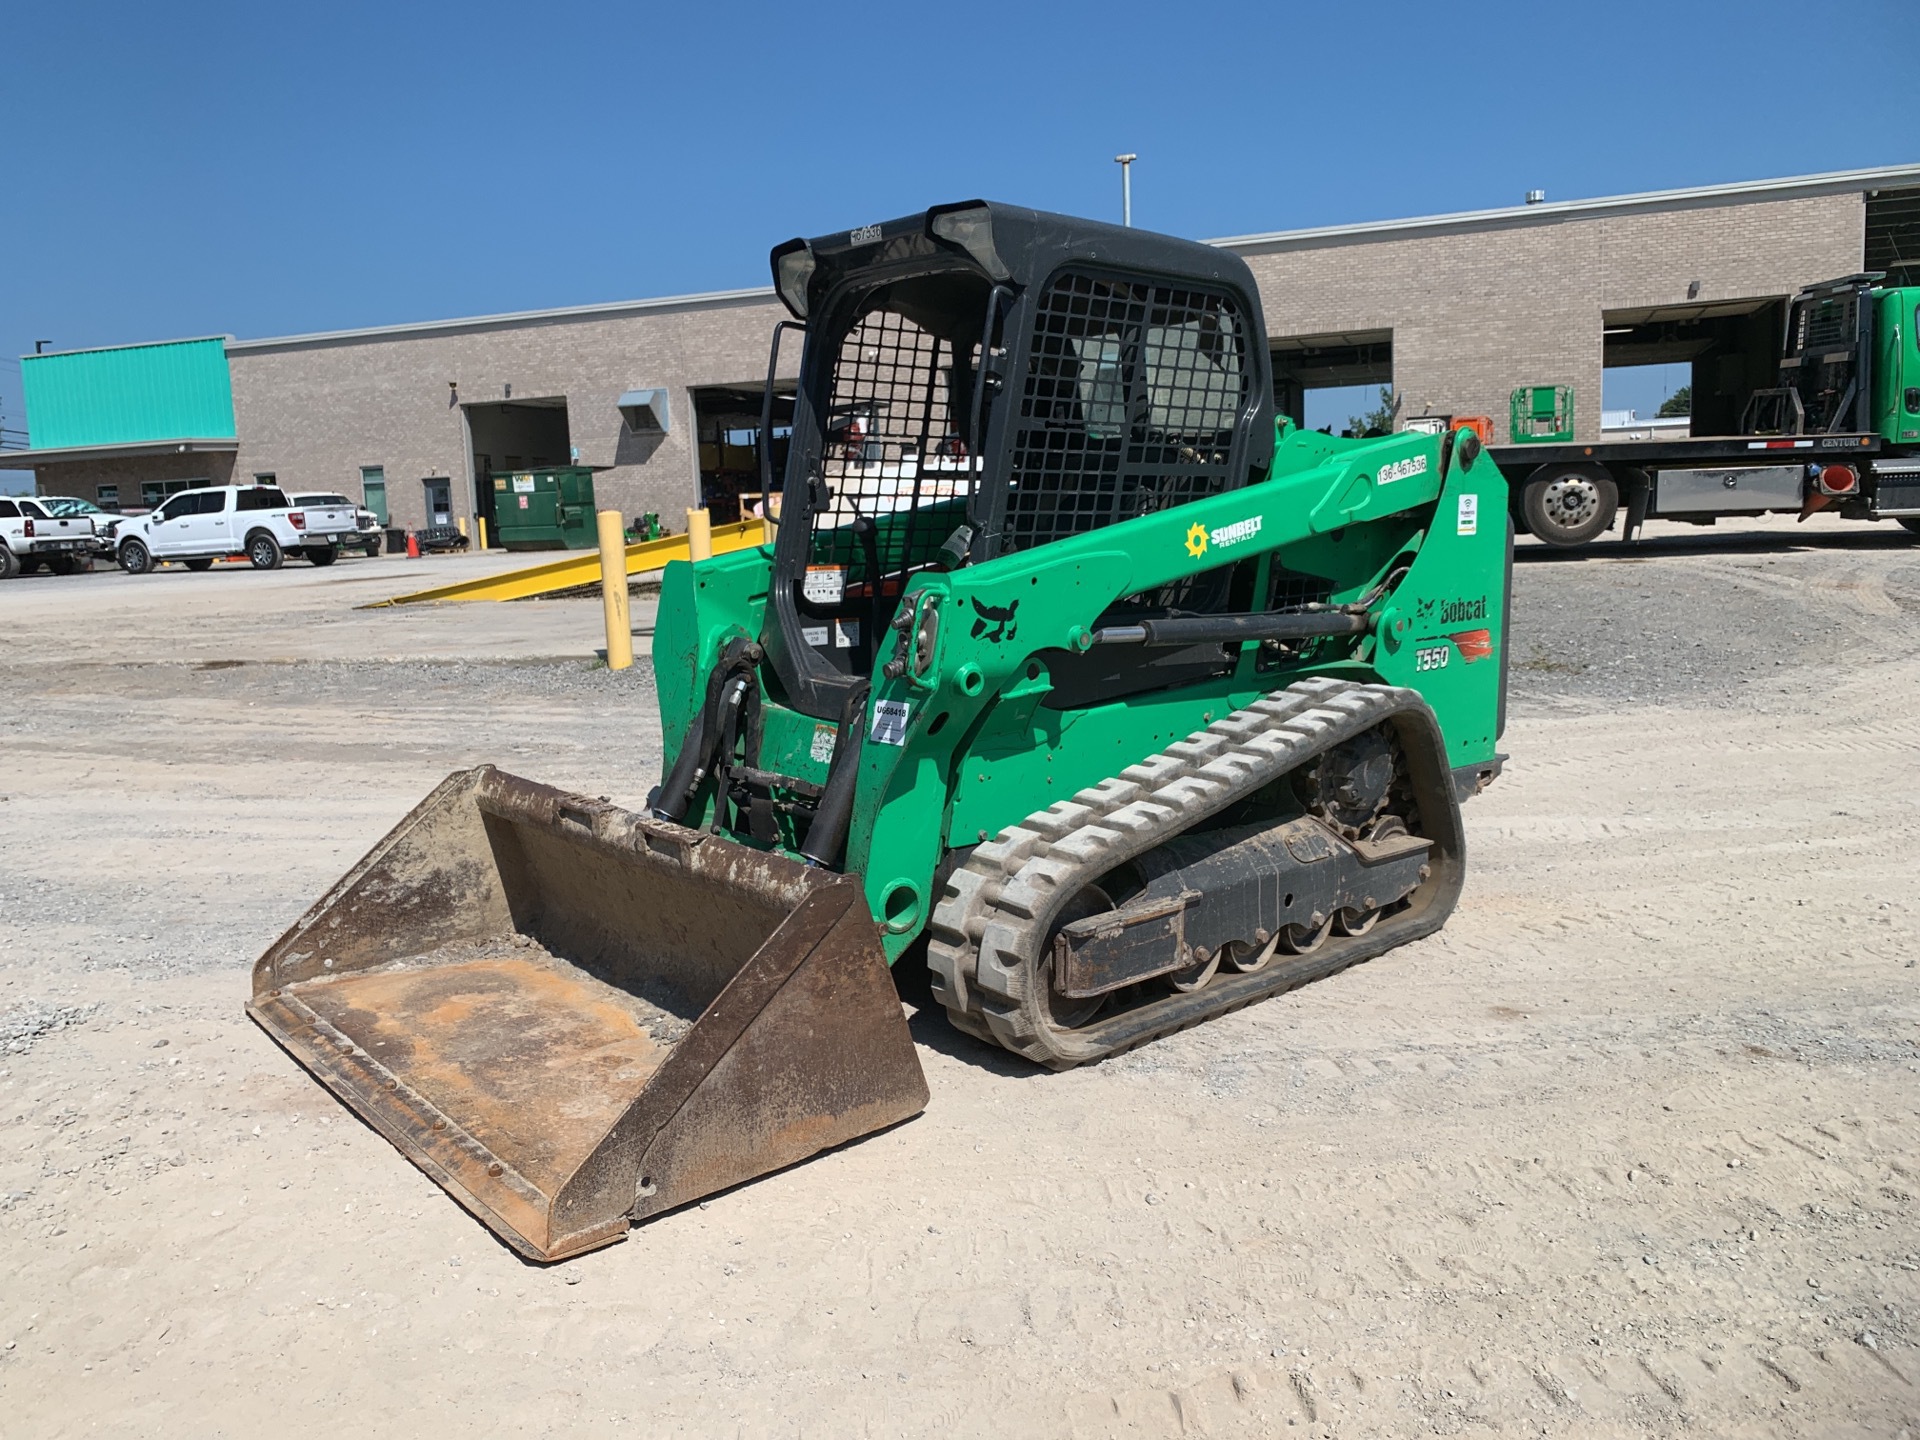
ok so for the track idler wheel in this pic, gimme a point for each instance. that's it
(1246, 958)
(1305, 939)
(1196, 975)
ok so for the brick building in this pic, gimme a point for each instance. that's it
(1452, 311)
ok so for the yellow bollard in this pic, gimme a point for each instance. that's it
(613, 589)
(462, 523)
(699, 535)
(481, 521)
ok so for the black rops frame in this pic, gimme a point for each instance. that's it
(1017, 252)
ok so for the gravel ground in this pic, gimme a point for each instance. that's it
(1631, 1148)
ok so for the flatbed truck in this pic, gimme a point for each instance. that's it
(1839, 432)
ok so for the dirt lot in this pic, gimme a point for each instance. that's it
(1632, 1148)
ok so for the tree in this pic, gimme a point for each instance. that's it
(1377, 421)
(1680, 402)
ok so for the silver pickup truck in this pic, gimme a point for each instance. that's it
(197, 527)
(32, 536)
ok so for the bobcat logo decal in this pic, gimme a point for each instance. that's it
(996, 622)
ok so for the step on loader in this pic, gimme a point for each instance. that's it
(1074, 675)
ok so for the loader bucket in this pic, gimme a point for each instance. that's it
(574, 1017)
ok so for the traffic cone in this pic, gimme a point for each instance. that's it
(413, 546)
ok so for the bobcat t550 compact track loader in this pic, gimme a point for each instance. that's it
(1072, 674)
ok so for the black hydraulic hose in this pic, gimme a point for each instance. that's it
(827, 835)
(1225, 629)
(689, 769)
(696, 755)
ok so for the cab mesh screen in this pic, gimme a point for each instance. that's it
(1127, 407)
(893, 446)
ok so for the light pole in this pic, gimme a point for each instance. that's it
(1125, 162)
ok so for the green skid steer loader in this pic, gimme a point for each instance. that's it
(1072, 675)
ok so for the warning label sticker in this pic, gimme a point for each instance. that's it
(824, 585)
(821, 751)
(815, 634)
(890, 722)
(846, 634)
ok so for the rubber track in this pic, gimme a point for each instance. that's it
(995, 910)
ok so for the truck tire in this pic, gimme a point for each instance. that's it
(9, 562)
(65, 564)
(1568, 505)
(202, 564)
(1911, 524)
(322, 555)
(263, 551)
(373, 547)
(31, 565)
(135, 558)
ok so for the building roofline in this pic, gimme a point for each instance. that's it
(1793, 186)
(28, 459)
(1833, 182)
(513, 320)
(130, 345)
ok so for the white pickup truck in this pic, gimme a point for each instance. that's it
(32, 536)
(198, 527)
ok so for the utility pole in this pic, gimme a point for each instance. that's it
(1125, 162)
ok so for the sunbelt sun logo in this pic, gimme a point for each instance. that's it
(1200, 539)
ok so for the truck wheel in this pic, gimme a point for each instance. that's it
(9, 562)
(263, 551)
(1568, 505)
(31, 566)
(320, 554)
(373, 547)
(135, 558)
(1911, 524)
(62, 564)
(203, 563)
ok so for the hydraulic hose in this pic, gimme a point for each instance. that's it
(827, 835)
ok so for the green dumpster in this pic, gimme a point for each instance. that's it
(550, 509)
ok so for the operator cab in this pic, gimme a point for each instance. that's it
(982, 379)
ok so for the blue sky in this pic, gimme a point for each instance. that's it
(256, 169)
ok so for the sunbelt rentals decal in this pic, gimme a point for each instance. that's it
(1200, 539)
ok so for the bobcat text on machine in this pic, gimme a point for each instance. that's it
(1070, 670)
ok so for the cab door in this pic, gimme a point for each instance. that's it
(170, 530)
(213, 525)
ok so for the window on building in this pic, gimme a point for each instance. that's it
(107, 497)
(373, 490)
(152, 492)
(265, 477)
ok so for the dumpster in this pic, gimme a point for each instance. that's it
(550, 509)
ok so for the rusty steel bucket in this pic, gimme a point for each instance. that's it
(574, 1017)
